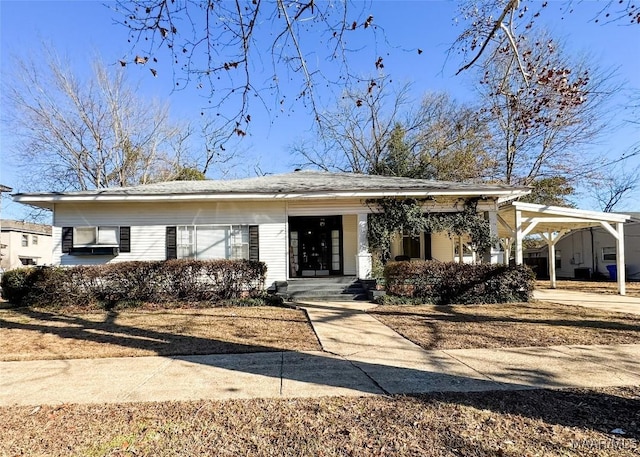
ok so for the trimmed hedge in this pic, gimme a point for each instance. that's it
(133, 283)
(448, 283)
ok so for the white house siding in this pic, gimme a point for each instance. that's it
(334, 207)
(148, 222)
(350, 243)
(576, 251)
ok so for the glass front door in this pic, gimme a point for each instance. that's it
(315, 246)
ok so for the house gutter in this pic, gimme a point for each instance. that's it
(46, 200)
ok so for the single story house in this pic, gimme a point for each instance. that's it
(24, 243)
(591, 251)
(301, 224)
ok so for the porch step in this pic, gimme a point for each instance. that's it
(324, 280)
(340, 288)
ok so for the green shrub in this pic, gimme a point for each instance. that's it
(129, 284)
(16, 285)
(447, 283)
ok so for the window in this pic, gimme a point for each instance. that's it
(609, 254)
(186, 243)
(213, 242)
(240, 242)
(34, 240)
(558, 259)
(411, 245)
(95, 236)
(27, 261)
(25, 241)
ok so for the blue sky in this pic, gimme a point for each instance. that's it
(85, 29)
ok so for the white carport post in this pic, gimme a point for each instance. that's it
(506, 243)
(518, 236)
(551, 243)
(620, 259)
(618, 234)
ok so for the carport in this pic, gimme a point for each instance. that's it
(518, 219)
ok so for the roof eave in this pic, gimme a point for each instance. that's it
(571, 212)
(47, 200)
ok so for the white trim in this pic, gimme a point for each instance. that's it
(589, 216)
(610, 229)
(552, 239)
(561, 220)
(40, 200)
(620, 261)
(518, 237)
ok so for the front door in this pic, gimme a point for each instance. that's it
(315, 246)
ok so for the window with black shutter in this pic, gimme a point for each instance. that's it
(171, 243)
(125, 239)
(254, 238)
(67, 239)
(95, 240)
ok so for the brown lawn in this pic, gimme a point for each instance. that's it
(508, 325)
(600, 287)
(520, 423)
(38, 334)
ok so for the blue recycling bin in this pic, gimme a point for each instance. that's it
(613, 272)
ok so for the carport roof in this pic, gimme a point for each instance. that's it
(551, 218)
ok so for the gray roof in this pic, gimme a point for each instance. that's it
(296, 182)
(9, 225)
(635, 215)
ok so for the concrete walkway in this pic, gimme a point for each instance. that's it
(361, 357)
(607, 302)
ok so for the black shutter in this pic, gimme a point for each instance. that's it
(254, 238)
(171, 242)
(67, 239)
(427, 246)
(125, 239)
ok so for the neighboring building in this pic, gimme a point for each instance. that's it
(305, 223)
(24, 243)
(591, 252)
(3, 189)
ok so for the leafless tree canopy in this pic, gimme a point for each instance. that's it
(238, 49)
(78, 134)
(491, 25)
(613, 185)
(385, 131)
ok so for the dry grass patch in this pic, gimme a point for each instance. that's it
(535, 423)
(508, 325)
(600, 287)
(37, 334)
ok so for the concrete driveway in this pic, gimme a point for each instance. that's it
(607, 302)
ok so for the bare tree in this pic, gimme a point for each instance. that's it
(80, 135)
(384, 131)
(541, 125)
(203, 148)
(614, 185)
(490, 25)
(238, 49)
(75, 134)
